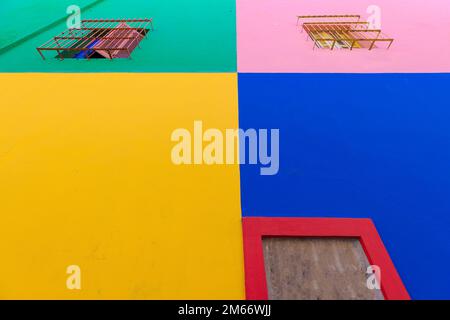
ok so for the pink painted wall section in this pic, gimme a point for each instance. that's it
(270, 41)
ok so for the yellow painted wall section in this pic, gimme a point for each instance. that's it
(86, 179)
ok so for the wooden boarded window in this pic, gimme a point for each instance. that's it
(303, 268)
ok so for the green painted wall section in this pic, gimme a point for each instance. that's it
(189, 36)
(20, 19)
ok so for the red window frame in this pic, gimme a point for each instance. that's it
(254, 229)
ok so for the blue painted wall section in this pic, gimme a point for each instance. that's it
(360, 145)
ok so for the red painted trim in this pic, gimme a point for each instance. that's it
(255, 229)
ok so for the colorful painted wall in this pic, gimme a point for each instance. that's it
(183, 39)
(269, 42)
(385, 158)
(85, 171)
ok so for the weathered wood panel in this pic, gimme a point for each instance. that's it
(316, 268)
